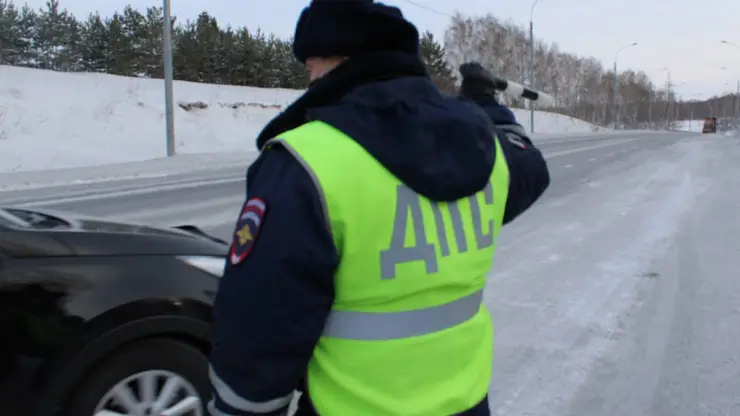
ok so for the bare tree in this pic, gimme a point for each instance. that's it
(581, 85)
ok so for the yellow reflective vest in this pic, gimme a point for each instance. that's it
(408, 334)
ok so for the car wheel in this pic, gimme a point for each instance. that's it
(157, 377)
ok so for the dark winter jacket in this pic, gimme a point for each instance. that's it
(270, 310)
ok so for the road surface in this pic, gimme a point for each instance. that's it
(618, 294)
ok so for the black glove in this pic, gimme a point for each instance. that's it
(476, 80)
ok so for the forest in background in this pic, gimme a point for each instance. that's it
(129, 43)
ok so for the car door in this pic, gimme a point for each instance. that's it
(15, 372)
(32, 317)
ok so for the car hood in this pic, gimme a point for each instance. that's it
(78, 235)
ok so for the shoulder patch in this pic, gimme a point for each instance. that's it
(247, 228)
(516, 140)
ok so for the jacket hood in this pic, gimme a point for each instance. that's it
(439, 146)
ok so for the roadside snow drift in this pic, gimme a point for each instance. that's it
(690, 125)
(52, 120)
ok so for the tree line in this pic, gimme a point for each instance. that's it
(129, 43)
(581, 85)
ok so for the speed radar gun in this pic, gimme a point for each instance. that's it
(475, 71)
(515, 90)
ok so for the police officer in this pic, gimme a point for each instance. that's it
(361, 252)
(478, 86)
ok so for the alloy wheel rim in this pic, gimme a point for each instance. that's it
(151, 393)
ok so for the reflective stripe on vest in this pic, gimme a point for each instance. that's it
(376, 326)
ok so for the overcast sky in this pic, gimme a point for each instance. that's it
(682, 35)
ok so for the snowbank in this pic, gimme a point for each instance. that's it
(694, 126)
(52, 120)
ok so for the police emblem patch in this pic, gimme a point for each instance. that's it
(247, 228)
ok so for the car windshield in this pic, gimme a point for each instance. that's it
(8, 220)
(20, 218)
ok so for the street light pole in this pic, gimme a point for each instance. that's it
(650, 106)
(168, 78)
(531, 65)
(614, 84)
(737, 100)
(614, 94)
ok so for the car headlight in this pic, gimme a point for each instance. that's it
(209, 264)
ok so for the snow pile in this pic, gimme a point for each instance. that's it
(52, 120)
(694, 126)
(546, 123)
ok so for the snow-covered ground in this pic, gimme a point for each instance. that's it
(696, 126)
(690, 125)
(620, 297)
(52, 120)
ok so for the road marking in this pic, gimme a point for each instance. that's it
(146, 183)
(132, 192)
(111, 194)
(586, 148)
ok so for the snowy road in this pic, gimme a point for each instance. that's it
(618, 294)
(211, 198)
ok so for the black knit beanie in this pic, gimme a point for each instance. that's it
(330, 28)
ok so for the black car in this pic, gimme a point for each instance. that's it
(100, 318)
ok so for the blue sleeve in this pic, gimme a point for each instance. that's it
(271, 305)
(498, 113)
(528, 171)
(501, 114)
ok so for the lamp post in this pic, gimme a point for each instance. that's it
(737, 100)
(614, 84)
(650, 100)
(531, 64)
(168, 78)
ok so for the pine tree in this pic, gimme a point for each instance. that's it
(244, 58)
(9, 23)
(269, 61)
(152, 63)
(69, 58)
(294, 73)
(95, 41)
(433, 55)
(134, 30)
(185, 53)
(208, 41)
(56, 39)
(117, 56)
(23, 44)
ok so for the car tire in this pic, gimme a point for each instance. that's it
(167, 356)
